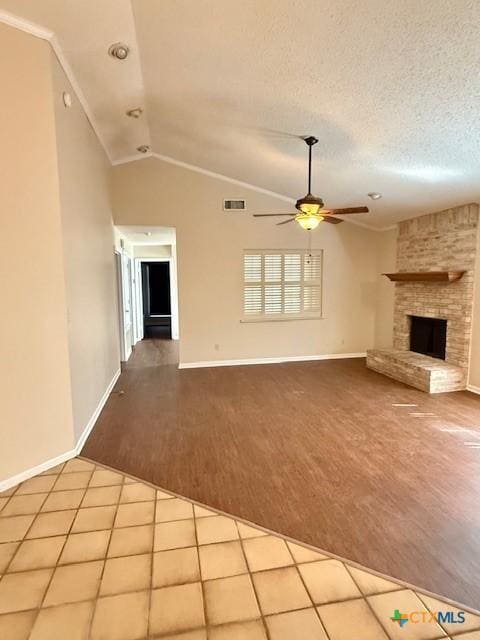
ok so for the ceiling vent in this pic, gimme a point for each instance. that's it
(234, 205)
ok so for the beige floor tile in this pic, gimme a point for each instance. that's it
(69, 481)
(267, 552)
(7, 551)
(280, 590)
(84, 547)
(201, 512)
(177, 566)
(328, 581)
(22, 591)
(176, 608)
(370, 584)
(302, 554)
(41, 553)
(199, 634)
(77, 465)
(471, 623)
(247, 532)
(104, 478)
(161, 495)
(94, 519)
(174, 535)
(346, 620)
(53, 471)
(70, 621)
(217, 529)
(101, 496)
(74, 583)
(135, 514)
(128, 480)
(131, 541)
(8, 492)
(59, 500)
(384, 606)
(17, 626)
(3, 502)
(297, 625)
(250, 630)
(222, 560)
(55, 523)
(174, 509)
(14, 528)
(130, 573)
(230, 600)
(38, 484)
(474, 635)
(24, 505)
(137, 492)
(121, 617)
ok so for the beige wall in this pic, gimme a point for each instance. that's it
(210, 243)
(152, 251)
(386, 256)
(88, 255)
(36, 405)
(474, 372)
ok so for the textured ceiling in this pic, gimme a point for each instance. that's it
(390, 87)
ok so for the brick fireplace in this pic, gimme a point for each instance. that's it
(440, 241)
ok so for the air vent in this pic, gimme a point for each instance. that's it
(234, 205)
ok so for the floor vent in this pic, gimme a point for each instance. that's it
(234, 205)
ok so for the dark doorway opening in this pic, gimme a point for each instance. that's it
(428, 336)
(157, 309)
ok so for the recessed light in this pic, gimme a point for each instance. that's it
(119, 50)
(143, 148)
(67, 99)
(374, 195)
(134, 113)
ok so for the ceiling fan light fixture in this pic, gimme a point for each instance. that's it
(309, 221)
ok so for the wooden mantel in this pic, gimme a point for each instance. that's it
(425, 276)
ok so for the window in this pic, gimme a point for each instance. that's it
(282, 284)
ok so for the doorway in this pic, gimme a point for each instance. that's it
(156, 298)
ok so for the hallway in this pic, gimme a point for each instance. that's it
(385, 485)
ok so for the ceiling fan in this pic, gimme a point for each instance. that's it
(310, 208)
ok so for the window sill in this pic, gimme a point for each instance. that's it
(247, 320)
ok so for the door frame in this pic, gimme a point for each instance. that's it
(124, 282)
(138, 315)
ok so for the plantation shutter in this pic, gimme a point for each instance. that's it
(282, 284)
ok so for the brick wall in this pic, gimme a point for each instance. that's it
(438, 242)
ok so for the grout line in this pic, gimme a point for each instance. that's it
(105, 557)
(262, 617)
(202, 583)
(152, 560)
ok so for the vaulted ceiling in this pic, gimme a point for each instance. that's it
(390, 87)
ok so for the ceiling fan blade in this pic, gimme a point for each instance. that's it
(342, 212)
(332, 220)
(285, 221)
(267, 215)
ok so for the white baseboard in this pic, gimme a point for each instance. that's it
(473, 388)
(235, 363)
(67, 455)
(91, 423)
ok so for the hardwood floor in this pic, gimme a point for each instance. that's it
(320, 451)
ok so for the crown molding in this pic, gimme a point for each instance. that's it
(38, 31)
(224, 178)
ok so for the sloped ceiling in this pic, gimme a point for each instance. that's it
(390, 87)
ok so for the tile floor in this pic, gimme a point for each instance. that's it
(87, 553)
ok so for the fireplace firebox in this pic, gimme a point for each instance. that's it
(428, 336)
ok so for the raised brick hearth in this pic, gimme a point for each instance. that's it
(440, 241)
(422, 372)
